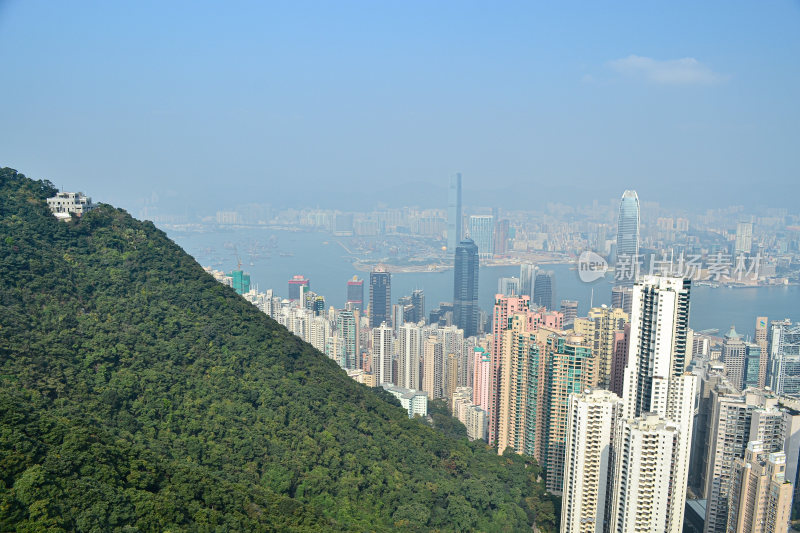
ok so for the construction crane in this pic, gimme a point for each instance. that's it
(238, 259)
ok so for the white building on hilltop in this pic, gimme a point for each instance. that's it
(63, 204)
(414, 401)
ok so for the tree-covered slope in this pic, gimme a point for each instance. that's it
(138, 394)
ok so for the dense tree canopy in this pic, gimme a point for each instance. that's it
(138, 394)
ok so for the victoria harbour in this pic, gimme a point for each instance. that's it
(319, 257)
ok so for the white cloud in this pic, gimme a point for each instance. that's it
(685, 71)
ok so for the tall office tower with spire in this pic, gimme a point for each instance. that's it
(761, 341)
(481, 230)
(544, 288)
(592, 419)
(465, 288)
(382, 350)
(657, 385)
(454, 222)
(380, 297)
(628, 238)
(761, 496)
(409, 337)
(355, 293)
(599, 328)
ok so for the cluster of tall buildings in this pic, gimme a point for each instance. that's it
(638, 423)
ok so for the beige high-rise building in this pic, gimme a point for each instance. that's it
(644, 450)
(451, 376)
(520, 388)
(588, 476)
(432, 374)
(761, 340)
(761, 497)
(598, 327)
(736, 419)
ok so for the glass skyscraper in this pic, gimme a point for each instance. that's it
(481, 229)
(627, 239)
(544, 289)
(380, 298)
(465, 288)
(453, 213)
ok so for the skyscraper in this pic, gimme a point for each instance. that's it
(527, 275)
(784, 353)
(734, 353)
(592, 419)
(519, 394)
(761, 340)
(744, 238)
(433, 374)
(627, 239)
(380, 297)
(418, 306)
(346, 324)
(599, 329)
(410, 354)
(657, 385)
(737, 418)
(761, 496)
(382, 341)
(481, 230)
(454, 213)
(569, 369)
(465, 288)
(355, 293)
(645, 450)
(295, 284)
(569, 308)
(501, 229)
(544, 288)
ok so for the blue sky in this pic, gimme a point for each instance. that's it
(351, 103)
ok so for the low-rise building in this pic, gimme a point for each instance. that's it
(63, 204)
(414, 401)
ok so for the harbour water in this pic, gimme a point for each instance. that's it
(273, 256)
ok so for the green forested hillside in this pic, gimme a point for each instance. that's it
(138, 394)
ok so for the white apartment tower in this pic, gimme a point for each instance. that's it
(410, 351)
(645, 449)
(659, 401)
(382, 354)
(592, 419)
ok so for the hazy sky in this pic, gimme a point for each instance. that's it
(350, 103)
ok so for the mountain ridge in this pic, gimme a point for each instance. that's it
(138, 394)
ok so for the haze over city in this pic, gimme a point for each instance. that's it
(350, 104)
(444, 266)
